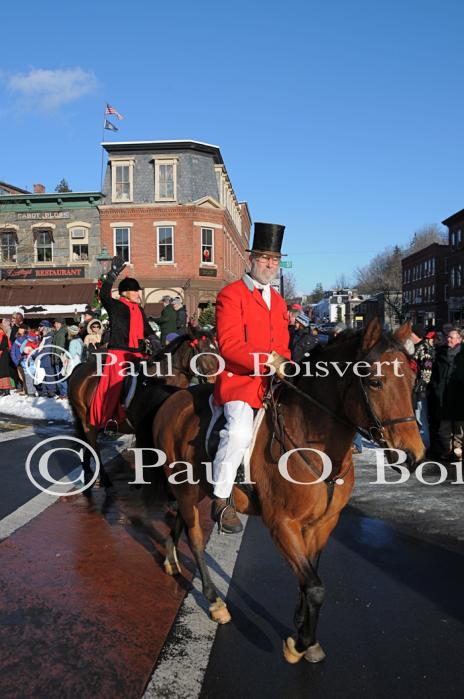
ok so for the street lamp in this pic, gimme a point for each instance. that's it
(104, 261)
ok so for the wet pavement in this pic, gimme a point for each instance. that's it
(85, 605)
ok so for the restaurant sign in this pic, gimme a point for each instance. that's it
(26, 273)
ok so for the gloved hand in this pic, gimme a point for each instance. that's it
(276, 361)
(117, 265)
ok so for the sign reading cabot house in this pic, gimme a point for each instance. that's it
(42, 215)
(43, 273)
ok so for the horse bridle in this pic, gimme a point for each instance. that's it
(376, 431)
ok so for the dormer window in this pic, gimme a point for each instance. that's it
(122, 176)
(165, 179)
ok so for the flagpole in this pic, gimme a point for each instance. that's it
(102, 150)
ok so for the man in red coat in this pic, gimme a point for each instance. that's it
(252, 328)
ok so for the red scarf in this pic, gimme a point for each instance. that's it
(136, 328)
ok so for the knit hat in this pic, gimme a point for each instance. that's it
(166, 299)
(302, 319)
(296, 307)
(431, 335)
(73, 330)
(45, 324)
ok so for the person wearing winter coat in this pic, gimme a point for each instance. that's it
(168, 319)
(181, 316)
(45, 375)
(424, 354)
(446, 394)
(28, 349)
(93, 338)
(75, 350)
(15, 355)
(301, 341)
(60, 340)
(5, 381)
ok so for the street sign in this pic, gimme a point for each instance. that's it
(286, 264)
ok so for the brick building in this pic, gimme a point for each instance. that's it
(425, 279)
(170, 210)
(48, 248)
(455, 268)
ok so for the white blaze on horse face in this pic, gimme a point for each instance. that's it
(326, 466)
(381, 463)
(139, 465)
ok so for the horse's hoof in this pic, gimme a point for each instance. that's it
(291, 654)
(171, 569)
(219, 612)
(314, 654)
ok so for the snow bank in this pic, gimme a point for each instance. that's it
(35, 408)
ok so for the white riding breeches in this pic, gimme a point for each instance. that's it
(235, 438)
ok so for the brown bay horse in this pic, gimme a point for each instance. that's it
(300, 516)
(172, 367)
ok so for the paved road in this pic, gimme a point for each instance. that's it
(83, 587)
(391, 624)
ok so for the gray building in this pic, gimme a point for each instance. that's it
(48, 248)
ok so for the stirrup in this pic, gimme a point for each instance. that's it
(111, 429)
(230, 504)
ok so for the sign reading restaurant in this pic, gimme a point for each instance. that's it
(42, 273)
(42, 215)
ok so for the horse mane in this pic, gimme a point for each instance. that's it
(351, 339)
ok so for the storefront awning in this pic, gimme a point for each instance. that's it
(46, 300)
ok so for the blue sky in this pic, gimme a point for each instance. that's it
(343, 120)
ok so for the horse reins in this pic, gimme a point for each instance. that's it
(374, 433)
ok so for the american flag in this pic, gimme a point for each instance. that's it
(113, 111)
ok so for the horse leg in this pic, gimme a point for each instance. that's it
(288, 537)
(217, 608)
(171, 562)
(91, 435)
(313, 591)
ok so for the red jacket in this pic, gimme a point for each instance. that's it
(245, 325)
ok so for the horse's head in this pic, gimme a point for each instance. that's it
(386, 408)
(203, 345)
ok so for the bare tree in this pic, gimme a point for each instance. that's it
(289, 286)
(342, 282)
(428, 234)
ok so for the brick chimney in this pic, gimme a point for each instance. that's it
(39, 189)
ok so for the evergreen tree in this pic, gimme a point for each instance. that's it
(63, 186)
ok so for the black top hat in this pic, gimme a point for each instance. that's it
(129, 284)
(268, 238)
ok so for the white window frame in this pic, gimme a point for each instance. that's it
(122, 224)
(50, 228)
(164, 225)
(78, 241)
(122, 162)
(165, 161)
(212, 261)
(14, 231)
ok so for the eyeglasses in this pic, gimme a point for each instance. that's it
(268, 258)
